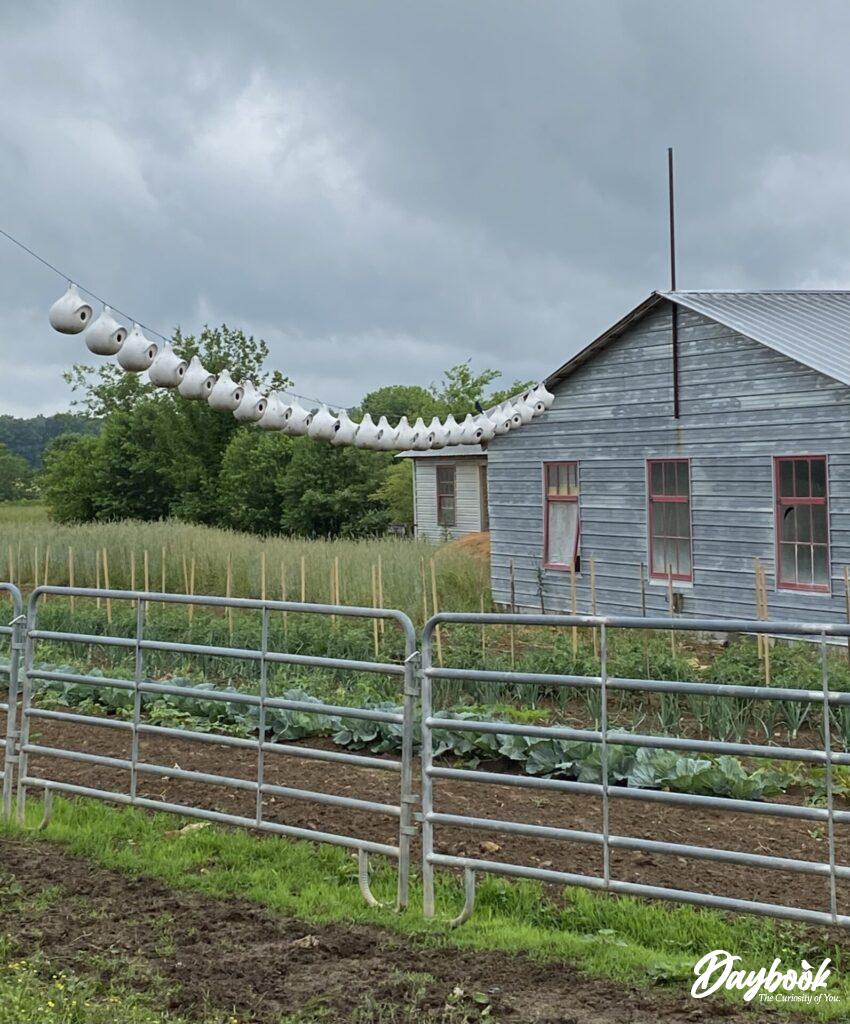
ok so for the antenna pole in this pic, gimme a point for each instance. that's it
(674, 310)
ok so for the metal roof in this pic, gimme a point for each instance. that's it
(451, 451)
(811, 327)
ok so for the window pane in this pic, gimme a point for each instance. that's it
(656, 478)
(681, 527)
(786, 478)
(804, 523)
(801, 478)
(821, 575)
(563, 524)
(683, 548)
(818, 478)
(659, 556)
(804, 563)
(787, 563)
(789, 523)
(551, 479)
(819, 524)
(572, 477)
(681, 478)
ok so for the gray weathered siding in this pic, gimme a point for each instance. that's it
(741, 404)
(468, 519)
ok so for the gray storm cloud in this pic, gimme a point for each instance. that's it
(381, 189)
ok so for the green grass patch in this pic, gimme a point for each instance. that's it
(626, 940)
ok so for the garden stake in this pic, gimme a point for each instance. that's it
(97, 573)
(106, 585)
(375, 605)
(643, 615)
(163, 572)
(35, 567)
(331, 599)
(46, 564)
(513, 612)
(283, 598)
(229, 593)
(593, 605)
(483, 635)
(437, 631)
(262, 575)
(303, 580)
(70, 574)
(847, 605)
(574, 607)
(132, 575)
(147, 571)
(760, 637)
(424, 590)
(381, 592)
(670, 605)
(336, 580)
(192, 588)
(11, 566)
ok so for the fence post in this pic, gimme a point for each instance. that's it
(407, 828)
(10, 758)
(428, 908)
(26, 699)
(830, 801)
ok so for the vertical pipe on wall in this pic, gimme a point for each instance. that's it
(674, 310)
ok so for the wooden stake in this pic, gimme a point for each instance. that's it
(303, 580)
(229, 593)
(147, 571)
(643, 615)
(375, 631)
(11, 566)
(483, 635)
(163, 573)
(336, 580)
(512, 631)
(97, 573)
(45, 580)
(133, 573)
(35, 567)
(847, 605)
(283, 598)
(437, 631)
(764, 615)
(331, 589)
(106, 585)
(71, 575)
(593, 605)
(192, 588)
(670, 605)
(381, 589)
(262, 575)
(424, 591)
(574, 607)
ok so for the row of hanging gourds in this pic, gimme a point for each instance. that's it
(135, 353)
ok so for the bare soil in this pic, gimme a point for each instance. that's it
(205, 957)
(743, 832)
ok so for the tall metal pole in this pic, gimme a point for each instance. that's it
(674, 312)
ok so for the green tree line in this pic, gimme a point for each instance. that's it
(157, 455)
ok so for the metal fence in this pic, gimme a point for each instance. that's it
(402, 811)
(417, 681)
(606, 738)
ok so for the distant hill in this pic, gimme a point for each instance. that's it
(29, 437)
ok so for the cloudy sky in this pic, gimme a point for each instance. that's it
(382, 189)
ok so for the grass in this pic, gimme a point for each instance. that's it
(626, 940)
(34, 549)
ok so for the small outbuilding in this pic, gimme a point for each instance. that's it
(449, 491)
(702, 434)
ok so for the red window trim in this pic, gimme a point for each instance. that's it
(778, 501)
(559, 566)
(671, 498)
(453, 468)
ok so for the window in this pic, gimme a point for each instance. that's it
(561, 525)
(669, 489)
(802, 523)
(446, 496)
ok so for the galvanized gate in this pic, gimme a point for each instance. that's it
(402, 810)
(15, 631)
(606, 738)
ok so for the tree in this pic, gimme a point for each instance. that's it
(15, 476)
(70, 480)
(460, 389)
(329, 492)
(396, 492)
(249, 484)
(399, 400)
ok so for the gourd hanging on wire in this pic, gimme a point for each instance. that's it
(167, 370)
(197, 383)
(105, 336)
(137, 352)
(70, 313)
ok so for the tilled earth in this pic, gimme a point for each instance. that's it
(206, 957)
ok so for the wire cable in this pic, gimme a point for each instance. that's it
(132, 319)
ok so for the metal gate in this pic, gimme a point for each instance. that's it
(402, 810)
(15, 631)
(606, 738)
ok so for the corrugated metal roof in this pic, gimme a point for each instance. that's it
(451, 451)
(812, 327)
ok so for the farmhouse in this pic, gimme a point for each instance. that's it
(449, 491)
(702, 431)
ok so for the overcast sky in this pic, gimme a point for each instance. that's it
(383, 189)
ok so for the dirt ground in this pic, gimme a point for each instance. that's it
(202, 956)
(743, 832)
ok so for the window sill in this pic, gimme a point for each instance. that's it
(677, 584)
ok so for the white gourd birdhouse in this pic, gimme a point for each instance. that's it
(467, 430)
(225, 395)
(485, 429)
(297, 419)
(523, 410)
(344, 429)
(501, 420)
(439, 434)
(137, 353)
(105, 336)
(167, 370)
(252, 406)
(274, 417)
(367, 434)
(403, 434)
(542, 394)
(70, 313)
(322, 425)
(422, 437)
(386, 435)
(197, 383)
(452, 429)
